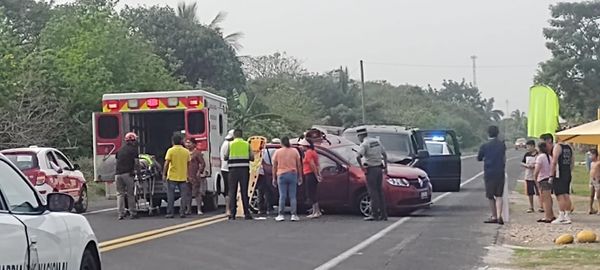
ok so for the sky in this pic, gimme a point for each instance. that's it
(413, 42)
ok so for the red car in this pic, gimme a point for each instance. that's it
(344, 182)
(49, 170)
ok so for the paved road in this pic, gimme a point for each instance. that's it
(450, 235)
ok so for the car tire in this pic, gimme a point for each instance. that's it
(254, 202)
(89, 261)
(82, 204)
(363, 204)
(211, 202)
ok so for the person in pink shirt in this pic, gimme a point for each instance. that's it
(543, 173)
(287, 174)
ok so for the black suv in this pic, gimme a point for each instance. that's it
(436, 152)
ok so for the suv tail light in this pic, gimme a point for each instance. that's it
(40, 178)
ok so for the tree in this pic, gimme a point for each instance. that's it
(26, 19)
(189, 12)
(272, 66)
(245, 116)
(194, 52)
(574, 69)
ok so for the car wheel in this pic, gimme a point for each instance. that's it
(211, 202)
(82, 204)
(254, 207)
(363, 204)
(89, 261)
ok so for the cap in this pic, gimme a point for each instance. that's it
(130, 136)
(362, 131)
(276, 140)
(229, 135)
(304, 142)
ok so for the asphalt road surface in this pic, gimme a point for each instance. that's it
(450, 235)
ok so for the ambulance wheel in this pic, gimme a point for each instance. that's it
(211, 202)
(82, 204)
(89, 261)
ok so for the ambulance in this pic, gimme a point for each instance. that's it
(155, 117)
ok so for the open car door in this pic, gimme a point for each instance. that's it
(108, 137)
(441, 160)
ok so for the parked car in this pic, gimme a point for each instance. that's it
(35, 234)
(49, 170)
(344, 182)
(408, 146)
(520, 143)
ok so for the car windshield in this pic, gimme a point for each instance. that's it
(348, 153)
(435, 148)
(398, 144)
(23, 161)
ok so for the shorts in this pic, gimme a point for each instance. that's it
(594, 184)
(531, 188)
(494, 188)
(545, 185)
(199, 186)
(561, 185)
(311, 187)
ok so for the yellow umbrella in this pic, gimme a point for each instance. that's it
(588, 133)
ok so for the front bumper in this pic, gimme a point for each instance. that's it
(407, 198)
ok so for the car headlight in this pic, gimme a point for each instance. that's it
(399, 182)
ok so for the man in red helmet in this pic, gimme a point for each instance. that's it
(126, 163)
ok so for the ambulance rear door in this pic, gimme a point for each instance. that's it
(197, 126)
(108, 136)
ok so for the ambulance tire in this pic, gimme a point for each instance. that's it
(211, 201)
(89, 261)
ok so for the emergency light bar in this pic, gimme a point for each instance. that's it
(193, 101)
(113, 104)
(172, 102)
(133, 104)
(152, 103)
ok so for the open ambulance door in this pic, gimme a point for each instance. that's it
(197, 127)
(107, 131)
(443, 162)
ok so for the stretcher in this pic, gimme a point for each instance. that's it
(145, 177)
(257, 144)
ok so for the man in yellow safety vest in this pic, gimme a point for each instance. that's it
(238, 157)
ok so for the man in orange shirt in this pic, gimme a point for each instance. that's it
(287, 174)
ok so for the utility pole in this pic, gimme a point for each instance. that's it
(506, 117)
(362, 81)
(474, 58)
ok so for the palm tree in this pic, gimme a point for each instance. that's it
(189, 12)
(243, 113)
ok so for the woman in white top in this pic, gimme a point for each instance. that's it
(543, 173)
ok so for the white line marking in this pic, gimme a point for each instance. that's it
(100, 211)
(355, 249)
(467, 157)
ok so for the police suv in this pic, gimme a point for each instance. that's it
(41, 234)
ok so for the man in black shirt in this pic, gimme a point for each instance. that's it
(126, 163)
(493, 155)
(562, 165)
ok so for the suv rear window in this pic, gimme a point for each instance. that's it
(23, 161)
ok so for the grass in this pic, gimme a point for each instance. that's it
(578, 256)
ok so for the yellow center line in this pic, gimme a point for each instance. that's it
(153, 234)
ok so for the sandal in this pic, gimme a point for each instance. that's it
(593, 212)
(541, 210)
(491, 221)
(530, 210)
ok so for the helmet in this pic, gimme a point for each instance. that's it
(276, 141)
(229, 135)
(130, 137)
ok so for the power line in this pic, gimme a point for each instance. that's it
(447, 66)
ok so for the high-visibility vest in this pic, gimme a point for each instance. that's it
(239, 153)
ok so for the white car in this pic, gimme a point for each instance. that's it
(39, 235)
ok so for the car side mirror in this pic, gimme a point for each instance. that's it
(422, 154)
(76, 167)
(60, 202)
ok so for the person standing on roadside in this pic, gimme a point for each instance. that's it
(238, 156)
(543, 173)
(493, 155)
(196, 179)
(563, 162)
(594, 180)
(312, 176)
(225, 169)
(287, 175)
(176, 174)
(376, 164)
(531, 185)
(126, 163)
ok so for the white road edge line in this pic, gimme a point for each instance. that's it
(467, 157)
(355, 249)
(99, 211)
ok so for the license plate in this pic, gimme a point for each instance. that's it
(424, 195)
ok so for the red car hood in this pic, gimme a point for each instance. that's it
(403, 171)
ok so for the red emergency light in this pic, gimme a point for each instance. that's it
(112, 104)
(152, 103)
(193, 101)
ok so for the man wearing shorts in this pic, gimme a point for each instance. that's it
(531, 185)
(594, 180)
(493, 155)
(562, 165)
